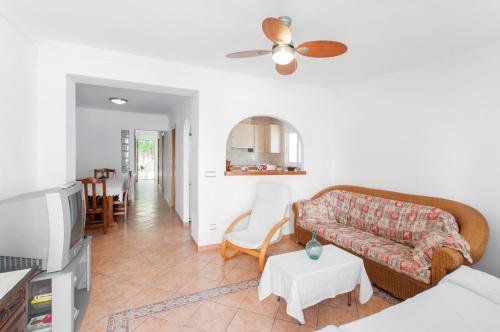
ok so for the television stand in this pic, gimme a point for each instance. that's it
(70, 292)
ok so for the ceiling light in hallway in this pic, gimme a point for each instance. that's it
(118, 101)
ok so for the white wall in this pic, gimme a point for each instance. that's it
(147, 134)
(431, 130)
(178, 115)
(98, 137)
(18, 111)
(224, 100)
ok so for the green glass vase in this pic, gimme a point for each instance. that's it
(314, 248)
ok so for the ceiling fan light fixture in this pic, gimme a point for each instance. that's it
(283, 54)
(284, 51)
(118, 101)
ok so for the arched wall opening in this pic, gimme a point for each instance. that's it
(264, 143)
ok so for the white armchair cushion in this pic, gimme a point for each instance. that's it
(244, 239)
(270, 207)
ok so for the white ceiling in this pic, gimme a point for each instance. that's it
(94, 96)
(383, 36)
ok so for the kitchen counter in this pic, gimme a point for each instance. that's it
(251, 172)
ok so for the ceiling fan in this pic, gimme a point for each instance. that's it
(283, 51)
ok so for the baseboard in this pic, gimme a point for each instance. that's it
(166, 199)
(217, 245)
(206, 247)
(183, 223)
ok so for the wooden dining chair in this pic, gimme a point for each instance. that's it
(104, 173)
(96, 205)
(131, 183)
(120, 206)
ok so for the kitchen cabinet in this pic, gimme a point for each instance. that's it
(261, 141)
(274, 138)
(263, 138)
(243, 136)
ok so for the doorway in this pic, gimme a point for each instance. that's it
(147, 156)
(187, 181)
(172, 172)
(161, 155)
(175, 168)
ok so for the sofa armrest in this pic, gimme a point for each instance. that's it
(295, 209)
(444, 261)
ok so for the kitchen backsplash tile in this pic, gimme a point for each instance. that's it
(243, 157)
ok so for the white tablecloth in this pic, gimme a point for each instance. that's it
(114, 187)
(303, 282)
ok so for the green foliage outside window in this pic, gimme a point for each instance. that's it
(146, 146)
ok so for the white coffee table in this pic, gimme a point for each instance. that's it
(303, 282)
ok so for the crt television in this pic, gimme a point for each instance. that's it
(43, 228)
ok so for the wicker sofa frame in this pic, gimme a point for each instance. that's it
(472, 224)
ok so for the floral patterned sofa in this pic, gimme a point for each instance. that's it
(408, 242)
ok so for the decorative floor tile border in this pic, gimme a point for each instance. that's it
(385, 296)
(120, 321)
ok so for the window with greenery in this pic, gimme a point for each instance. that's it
(146, 154)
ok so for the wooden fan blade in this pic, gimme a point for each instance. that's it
(276, 31)
(321, 49)
(287, 69)
(247, 54)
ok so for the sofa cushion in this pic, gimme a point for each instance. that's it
(403, 222)
(332, 206)
(314, 210)
(400, 258)
(425, 248)
(340, 204)
(407, 223)
(394, 255)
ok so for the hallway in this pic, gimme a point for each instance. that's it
(129, 261)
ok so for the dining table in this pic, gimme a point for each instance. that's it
(114, 187)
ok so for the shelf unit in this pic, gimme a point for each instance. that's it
(125, 151)
(70, 292)
(252, 173)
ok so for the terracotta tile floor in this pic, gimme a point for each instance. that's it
(151, 257)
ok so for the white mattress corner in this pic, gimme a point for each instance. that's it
(465, 300)
(446, 307)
